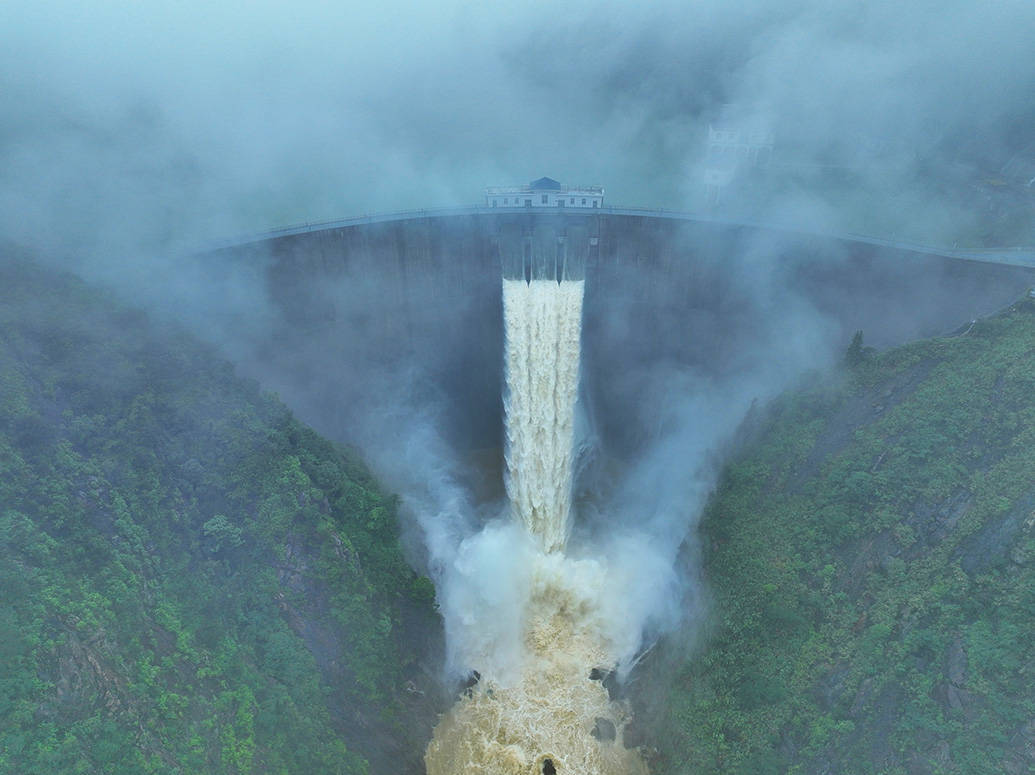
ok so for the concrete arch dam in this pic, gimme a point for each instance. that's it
(357, 309)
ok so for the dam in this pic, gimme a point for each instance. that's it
(375, 290)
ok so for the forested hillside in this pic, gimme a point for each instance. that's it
(872, 558)
(191, 580)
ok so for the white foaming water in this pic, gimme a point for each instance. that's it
(534, 621)
(543, 322)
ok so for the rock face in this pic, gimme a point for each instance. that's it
(1022, 760)
(604, 729)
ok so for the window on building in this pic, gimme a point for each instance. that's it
(583, 202)
(572, 201)
(528, 203)
(546, 199)
(493, 202)
(595, 202)
(560, 202)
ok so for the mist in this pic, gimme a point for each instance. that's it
(131, 128)
(134, 135)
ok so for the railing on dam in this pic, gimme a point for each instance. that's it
(1018, 256)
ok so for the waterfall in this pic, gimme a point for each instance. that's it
(542, 322)
(549, 711)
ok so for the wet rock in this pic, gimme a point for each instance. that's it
(788, 748)
(413, 689)
(933, 522)
(1023, 554)
(609, 678)
(1022, 759)
(472, 679)
(956, 663)
(932, 758)
(604, 730)
(862, 698)
(887, 710)
(941, 755)
(993, 544)
(633, 735)
(957, 698)
(830, 687)
(951, 692)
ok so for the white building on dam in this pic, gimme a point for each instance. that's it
(545, 192)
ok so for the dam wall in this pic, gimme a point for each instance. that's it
(357, 310)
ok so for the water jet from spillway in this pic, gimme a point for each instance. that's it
(542, 320)
(544, 714)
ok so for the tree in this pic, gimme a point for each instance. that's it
(856, 352)
(222, 533)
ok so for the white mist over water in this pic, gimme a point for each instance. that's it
(535, 702)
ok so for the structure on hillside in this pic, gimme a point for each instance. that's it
(545, 192)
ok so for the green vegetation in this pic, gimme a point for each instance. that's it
(191, 580)
(194, 582)
(872, 558)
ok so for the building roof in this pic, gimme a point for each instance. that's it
(545, 184)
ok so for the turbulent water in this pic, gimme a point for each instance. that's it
(543, 321)
(545, 713)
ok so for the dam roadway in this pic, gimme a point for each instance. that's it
(1013, 256)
